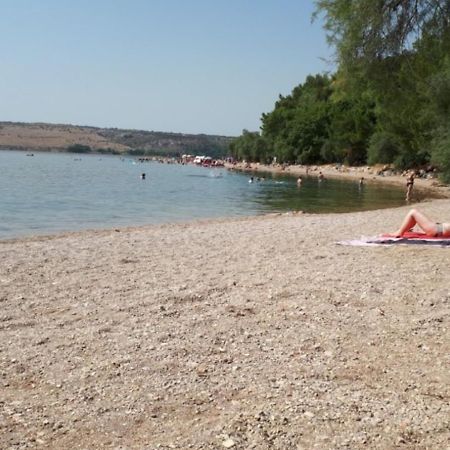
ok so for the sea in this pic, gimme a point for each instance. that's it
(49, 193)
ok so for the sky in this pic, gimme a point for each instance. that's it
(187, 66)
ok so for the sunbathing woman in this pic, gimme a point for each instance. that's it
(430, 228)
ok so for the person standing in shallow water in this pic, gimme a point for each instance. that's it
(409, 186)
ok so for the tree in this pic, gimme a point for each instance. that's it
(79, 148)
(389, 100)
(249, 146)
(297, 128)
(397, 49)
(377, 29)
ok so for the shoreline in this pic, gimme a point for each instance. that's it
(425, 186)
(202, 222)
(255, 332)
(433, 185)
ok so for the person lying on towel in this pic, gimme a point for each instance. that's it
(430, 228)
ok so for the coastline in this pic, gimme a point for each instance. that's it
(425, 185)
(255, 332)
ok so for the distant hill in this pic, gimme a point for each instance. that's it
(50, 137)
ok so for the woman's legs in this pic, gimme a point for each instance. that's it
(415, 217)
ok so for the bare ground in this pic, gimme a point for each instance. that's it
(41, 136)
(256, 333)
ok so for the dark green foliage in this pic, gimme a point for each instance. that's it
(79, 148)
(107, 151)
(397, 53)
(136, 152)
(309, 126)
(439, 92)
(352, 123)
(371, 30)
(296, 130)
(389, 101)
(383, 148)
(250, 147)
(441, 152)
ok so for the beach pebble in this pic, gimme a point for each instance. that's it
(228, 443)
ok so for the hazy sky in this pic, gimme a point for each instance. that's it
(190, 66)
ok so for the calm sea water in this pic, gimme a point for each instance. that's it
(53, 192)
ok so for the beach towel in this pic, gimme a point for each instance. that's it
(409, 238)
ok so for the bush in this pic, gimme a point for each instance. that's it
(310, 156)
(79, 148)
(327, 152)
(108, 151)
(441, 153)
(384, 148)
(355, 155)
(409, 159)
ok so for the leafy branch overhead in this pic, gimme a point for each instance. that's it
(377, 29)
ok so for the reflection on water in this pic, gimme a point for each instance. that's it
(328, 195)
(51, 192)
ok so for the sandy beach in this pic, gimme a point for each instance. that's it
(256, 333)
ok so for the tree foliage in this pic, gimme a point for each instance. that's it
(250, 147)
(79, 148)
(388, 102)
(374, 30)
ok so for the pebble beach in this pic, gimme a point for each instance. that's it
(253, 333)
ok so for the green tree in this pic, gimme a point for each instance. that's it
(371, 30)
(388, 102)
(250, 146)
(396, 49)
(79, 148)
(298, 126)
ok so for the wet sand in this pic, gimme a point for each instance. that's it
(256, 333)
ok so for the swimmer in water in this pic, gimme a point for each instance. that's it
(142, 176)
